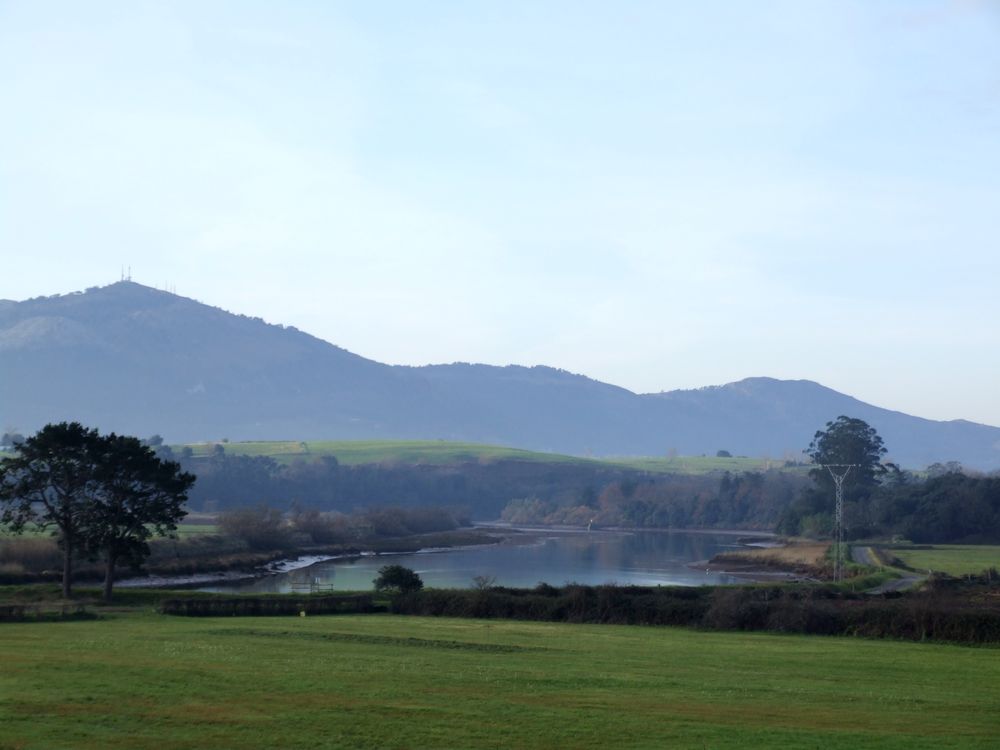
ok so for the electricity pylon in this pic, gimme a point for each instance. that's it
(839, 473)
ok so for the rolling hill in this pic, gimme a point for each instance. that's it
(134, 359)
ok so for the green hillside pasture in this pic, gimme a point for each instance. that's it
(702, 464)
(440, 452)
(185, 530)
(351, 452)
(145, 680)
(953, 559)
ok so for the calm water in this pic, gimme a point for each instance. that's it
(642, 558)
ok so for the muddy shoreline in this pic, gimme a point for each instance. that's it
(751, 573)
(569, 529)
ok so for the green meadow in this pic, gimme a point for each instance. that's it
(137, 680)
(185, 530)
(441, 452)
(701, 464)
(351, 452)
(953, 559)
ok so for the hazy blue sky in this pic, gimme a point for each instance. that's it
(655, 194)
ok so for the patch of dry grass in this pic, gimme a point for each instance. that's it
(30, 553)
(795, 555)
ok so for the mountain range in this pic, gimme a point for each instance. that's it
(138, 360)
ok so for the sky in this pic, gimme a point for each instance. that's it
(656, 194)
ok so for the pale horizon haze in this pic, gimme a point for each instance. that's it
(657, 195)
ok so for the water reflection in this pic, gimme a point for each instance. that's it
(640, 558)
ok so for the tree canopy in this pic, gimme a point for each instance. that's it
(397, 578)
(845, 441)
(848, 440)
(101, 494)
(137, 495)
(49, 483)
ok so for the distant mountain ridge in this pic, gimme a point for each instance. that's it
(139, 360)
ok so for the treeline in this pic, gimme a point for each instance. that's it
(264, 528)
(946, 611)
(948, 507)
(747, 500)
(102, 496)
(484, 488)
(951, 507)
(519, 491)
(265, 606)
(881, 500)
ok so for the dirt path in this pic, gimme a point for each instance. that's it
(865, 556)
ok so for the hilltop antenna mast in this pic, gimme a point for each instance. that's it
(839, 473)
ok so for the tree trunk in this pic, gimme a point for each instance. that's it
(109, 576)
(67, 576)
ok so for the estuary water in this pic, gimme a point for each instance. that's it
(646, 558)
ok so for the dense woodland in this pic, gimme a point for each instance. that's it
(519, 491)
(882, 501)
(483, 489)
(752, 500)
(944, 505)
(265, 528)
(951, 507)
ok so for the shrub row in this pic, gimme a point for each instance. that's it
(822, 610)
(272, 605)
(632, 605)
(38, 612)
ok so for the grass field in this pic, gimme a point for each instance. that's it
(702, 464)
(438, 452)
(183, 530)
(954, 559)
(196, 529)
(146, 680)
(351, 452)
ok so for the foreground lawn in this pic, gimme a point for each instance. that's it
(145, 680)
(954, 559)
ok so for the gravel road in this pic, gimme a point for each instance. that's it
(865, 556)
